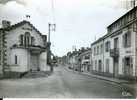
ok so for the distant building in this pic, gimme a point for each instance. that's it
(85, 60)
(22, 48)
(72, 58)
(115, 54)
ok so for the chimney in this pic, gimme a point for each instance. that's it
(5, 23)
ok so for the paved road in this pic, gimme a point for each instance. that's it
(62, 84)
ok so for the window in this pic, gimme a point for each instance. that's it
(107, 65)
(101, 48)
(128, 66)
(107, 46)
(94, 51)
(96, 65)
(27, 39)
(97, 50)
(16, 59)
(116, 43)
(100, 65)
(87, 57)
(21, 39)
(127, 39)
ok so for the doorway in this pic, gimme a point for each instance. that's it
(100, 65)
(116, 65)
(34, 62)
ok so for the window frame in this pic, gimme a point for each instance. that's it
(107, 46)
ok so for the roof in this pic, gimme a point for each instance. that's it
(86, 52)
(19, 24)
(107, 35)
(122, 16)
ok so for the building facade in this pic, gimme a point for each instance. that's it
(72, 60)
(85, 60)
(22, 48)
(115, 54)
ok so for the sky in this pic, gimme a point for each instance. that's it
(78, 22)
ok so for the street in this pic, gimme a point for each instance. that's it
(63, 83)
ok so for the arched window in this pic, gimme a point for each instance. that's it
(21, 39)
(27, 39)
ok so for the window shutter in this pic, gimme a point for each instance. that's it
(129, 40)
(109, 46)
(124, 40)
(20, 39)
(0, 56)
(131, 66)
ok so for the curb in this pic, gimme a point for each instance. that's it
(123, 87)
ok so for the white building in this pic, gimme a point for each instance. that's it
(73, 61)
(115, 54)
(85, 60)
(22, 48)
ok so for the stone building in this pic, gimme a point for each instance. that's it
(22, 48)
(115, 54)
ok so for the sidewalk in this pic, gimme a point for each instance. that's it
(125, 85)
(106, 78)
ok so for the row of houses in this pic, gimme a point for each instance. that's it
(114, 54)
(78, 60)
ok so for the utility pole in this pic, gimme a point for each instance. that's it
(51, 28)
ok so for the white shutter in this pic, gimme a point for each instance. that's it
(129, 40)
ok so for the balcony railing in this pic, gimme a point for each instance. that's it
(114, 52)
